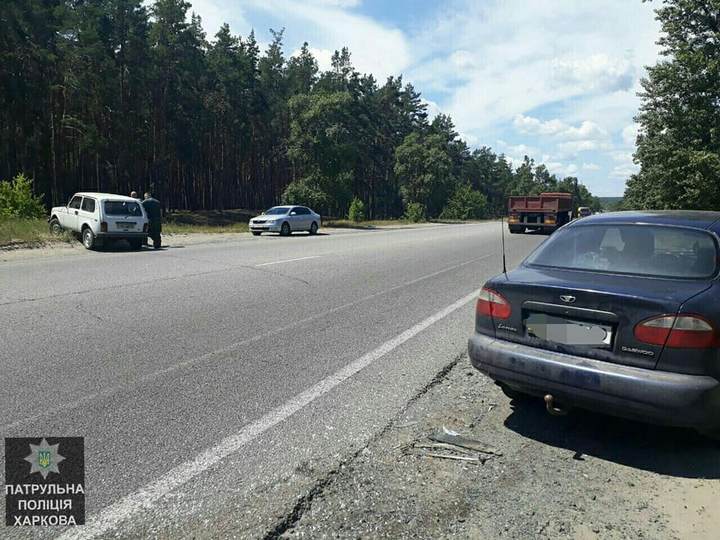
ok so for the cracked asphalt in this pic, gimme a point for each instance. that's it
(207, 382)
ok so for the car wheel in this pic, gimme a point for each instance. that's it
(256, 233)
(55, 227)
(88, 238)
(285, 229)
(516, 230)
(313, 228)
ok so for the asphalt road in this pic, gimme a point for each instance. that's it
(216, 384)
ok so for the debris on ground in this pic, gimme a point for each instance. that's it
(423, 477)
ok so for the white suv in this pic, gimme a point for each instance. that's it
(100, 217)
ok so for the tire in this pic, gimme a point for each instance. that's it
(55, 227)
(516, 230)
(88, 238)
(313, 228)
(157, 242)
(256, 233)
(136, 244)
(285, 229)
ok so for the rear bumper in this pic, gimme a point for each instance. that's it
(654, 396)
(119, 235)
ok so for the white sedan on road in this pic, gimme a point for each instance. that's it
(286, 220)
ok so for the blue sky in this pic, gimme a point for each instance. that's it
(554, 79)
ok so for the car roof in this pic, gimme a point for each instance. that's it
(103, 196)
(698, 219)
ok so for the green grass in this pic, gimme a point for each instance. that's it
(370, 224)
(26, 231)
(189, 228)
(207, 221)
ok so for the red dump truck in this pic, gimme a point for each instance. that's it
(545, 212)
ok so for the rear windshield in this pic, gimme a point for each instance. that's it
(122, 208)
(631, 249)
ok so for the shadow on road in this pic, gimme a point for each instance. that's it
(121, 246)
(293, 235)
(670, 451)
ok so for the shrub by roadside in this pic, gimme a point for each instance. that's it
(465, 203)
(357, 211)
(415, 212)
(17, 200)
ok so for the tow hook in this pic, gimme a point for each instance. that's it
(552, 408)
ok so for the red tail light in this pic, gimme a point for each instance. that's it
(103, 226)
(681, 331)
(492, 304)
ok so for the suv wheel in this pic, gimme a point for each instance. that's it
(55, 227)
(285, 229)
(88, 238)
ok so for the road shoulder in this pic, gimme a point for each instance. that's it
(583, 476)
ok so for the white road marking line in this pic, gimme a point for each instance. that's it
(290, 260)
(89, 398)
(233, 346)
(143, 499)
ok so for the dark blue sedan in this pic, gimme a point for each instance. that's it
(616, 312)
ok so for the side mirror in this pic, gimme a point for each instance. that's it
(293, 213)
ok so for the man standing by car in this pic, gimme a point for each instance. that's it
(152, 209)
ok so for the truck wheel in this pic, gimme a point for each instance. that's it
(516, 230)
(88, 238)
(55, 227)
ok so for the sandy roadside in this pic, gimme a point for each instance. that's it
(17, 252)
(582, 476)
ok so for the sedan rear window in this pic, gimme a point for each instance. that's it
(647, 250)
(122, 208)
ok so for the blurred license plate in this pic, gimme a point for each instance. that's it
(126, 225)
(568, 331)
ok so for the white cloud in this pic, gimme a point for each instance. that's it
(528, 54)
(629, 134)
(323, 57)
(338, 3)
(624, 171)
(433, 110)
(517, 152)
(586, 145)
(328, 25)
(585, 131)
(622, 157)
(590, 167)
(214, 14)
(596, 72)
